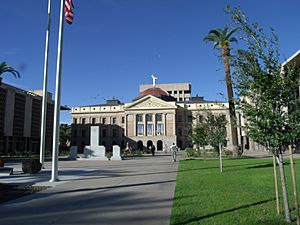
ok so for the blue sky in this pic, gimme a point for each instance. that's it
(114, 46)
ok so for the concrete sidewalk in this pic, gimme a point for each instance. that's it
(134, 191)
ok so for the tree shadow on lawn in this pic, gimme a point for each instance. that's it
(196, 219)
(266, 165)
(251, 165)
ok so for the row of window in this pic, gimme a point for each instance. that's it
(103, 133)
(103, 120)
(190, 118)
(149, 117)
(180, 92)
(149, 129)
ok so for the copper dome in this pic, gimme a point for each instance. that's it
(155, 91)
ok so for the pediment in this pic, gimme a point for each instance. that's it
(151, 102)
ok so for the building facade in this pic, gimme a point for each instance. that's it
(20, 120)
(155, 117)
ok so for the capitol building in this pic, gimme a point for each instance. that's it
(160, 115)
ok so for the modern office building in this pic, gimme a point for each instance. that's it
(20, 120)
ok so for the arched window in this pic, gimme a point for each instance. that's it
(140, 145)
(159, 145)
(149, 143)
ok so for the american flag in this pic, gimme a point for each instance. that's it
(69, 9)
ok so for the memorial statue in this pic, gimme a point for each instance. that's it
(154, 80)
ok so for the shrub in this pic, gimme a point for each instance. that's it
(228, 153)
(193, 152)
(31, 166)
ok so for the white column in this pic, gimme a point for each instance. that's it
(145, 124)
(154, 124)
(165, 124)
(174, 124)
(134, 125)
(125, 126)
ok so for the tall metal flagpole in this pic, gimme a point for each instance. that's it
(44, 104)
(54, 174)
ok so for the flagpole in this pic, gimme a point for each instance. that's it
(54, 174)
(44, 104)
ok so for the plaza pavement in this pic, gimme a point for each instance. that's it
(136, 191)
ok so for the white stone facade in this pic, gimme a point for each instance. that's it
(148, 120)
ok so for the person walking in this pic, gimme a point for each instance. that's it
(174, 150)
(166, 148)
(152, 148)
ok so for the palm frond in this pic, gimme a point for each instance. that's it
(216, 45)
(210, 38)
(4, 68)
(232, 32)
(233, 39)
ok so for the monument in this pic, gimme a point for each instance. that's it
(73, 153)
(94, 150)
(116, 153)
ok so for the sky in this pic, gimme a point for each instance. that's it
(113, 46)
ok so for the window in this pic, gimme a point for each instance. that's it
(104, 120)
(75, 121)
(149, 117)
(83, 133)
(160, 129)
(175, 92)
(93, 120)
(149, 129)
(180, 99)
(114, 120)
(158, 117)
(114, 133)
(139, 118)
(83, 120)
(104, 133)
(190, 119)
(179, 132)
(140, 129)
(179, 118)
(123, 119)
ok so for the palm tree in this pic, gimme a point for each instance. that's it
(221, 39)
(4, 68)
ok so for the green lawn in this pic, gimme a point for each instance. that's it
(242, 194)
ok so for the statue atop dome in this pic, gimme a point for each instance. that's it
(154, 78)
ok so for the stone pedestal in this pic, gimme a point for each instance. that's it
(94, 151)
(116, 153)
(73, 153)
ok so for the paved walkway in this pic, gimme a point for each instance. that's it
(134, 191)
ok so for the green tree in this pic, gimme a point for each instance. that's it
(4, 68)
(216, 133)
(221, 39)
(199, 135)
(64, 136)
(267, 93)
